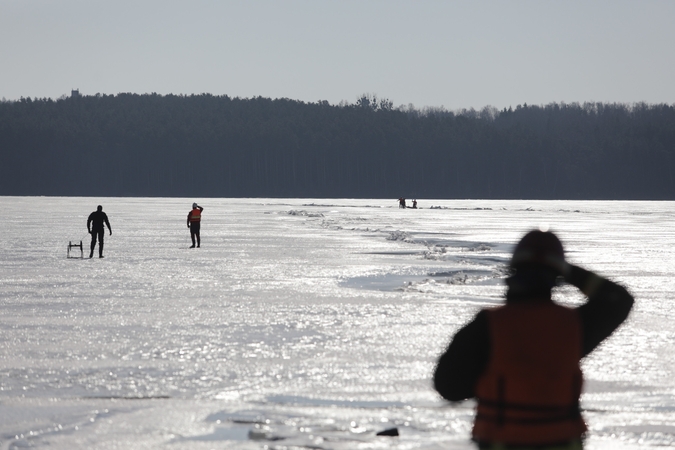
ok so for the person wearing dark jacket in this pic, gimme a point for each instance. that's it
(95, 228)
(194, 219)
(520, 361)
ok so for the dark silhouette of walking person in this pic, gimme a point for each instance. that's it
(194, 220)
(520, 361)
(95, 227)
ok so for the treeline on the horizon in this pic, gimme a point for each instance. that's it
(219, 146)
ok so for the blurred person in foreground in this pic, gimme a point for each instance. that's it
(194, 220)
(521, 361)
(95, 227)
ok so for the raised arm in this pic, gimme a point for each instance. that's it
(607, 307)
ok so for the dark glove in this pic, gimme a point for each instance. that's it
(576, 276)
(585, 280)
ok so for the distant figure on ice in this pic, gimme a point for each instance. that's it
(194, 219)
(521, 360)
(401, 202)
(95, 228)
(414, 206)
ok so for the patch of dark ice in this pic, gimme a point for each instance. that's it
(303, 213)
(309, 401)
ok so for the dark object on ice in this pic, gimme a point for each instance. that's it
(71, 246)
(263, 435)
(401, 202)
(388, 432)
(128, 397)
(414, 206)
(194, 219)
(95, 227)
(505, 356)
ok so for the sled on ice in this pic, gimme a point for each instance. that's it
(75, 245)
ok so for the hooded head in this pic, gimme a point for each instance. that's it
(99, 208)
(538, 248)
(538, 259)
(194, 205)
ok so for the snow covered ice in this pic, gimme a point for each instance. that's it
(301, 323)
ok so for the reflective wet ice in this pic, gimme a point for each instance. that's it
(301, 322)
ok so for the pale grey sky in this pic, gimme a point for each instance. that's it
(456, 54)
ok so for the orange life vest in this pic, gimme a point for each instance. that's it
(529, 393)
(195, 215)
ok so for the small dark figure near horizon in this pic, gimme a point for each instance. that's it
(194, 219)
(520, 361)
(95, 227)
(401, 202)
(414, 206)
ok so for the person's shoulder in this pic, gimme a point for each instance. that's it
(478, 324)
(481, 318)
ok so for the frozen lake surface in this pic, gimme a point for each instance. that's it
(301, 323)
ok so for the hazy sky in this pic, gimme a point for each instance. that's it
(456, 54)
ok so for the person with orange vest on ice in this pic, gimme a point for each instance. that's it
(194, 219)
(520, 361)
